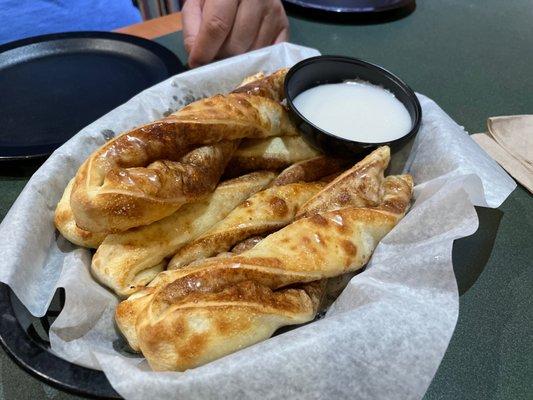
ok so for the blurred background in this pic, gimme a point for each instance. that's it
(157, 8)
(39, 17)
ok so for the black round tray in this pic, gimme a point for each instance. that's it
(51, 86)
(25, 339)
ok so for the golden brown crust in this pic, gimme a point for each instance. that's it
(322, 246)
(246, 244)
(310, 170)
(250, 79)
(66, 225)
(360, 186)
(309, 249)
(126, 183)
(264, 212)
(270, 86)
(395, 199)
(128, 311)
(139, 196)
(201, 295)
(209, 325)
(127, 261)
(270, 154)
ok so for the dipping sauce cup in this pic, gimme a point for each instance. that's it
(321, 70)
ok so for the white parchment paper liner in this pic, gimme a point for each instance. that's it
(385, 335)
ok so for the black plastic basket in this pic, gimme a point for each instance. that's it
(25, 339)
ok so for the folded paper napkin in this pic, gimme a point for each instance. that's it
(509, 141)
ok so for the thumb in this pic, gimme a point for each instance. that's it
(191, 16)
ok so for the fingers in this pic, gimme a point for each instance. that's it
(222, 28)
(245, 28)
(274, 27)
(283, 36)
(191, 19)
(217, 20)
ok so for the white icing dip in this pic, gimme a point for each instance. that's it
(355, 110)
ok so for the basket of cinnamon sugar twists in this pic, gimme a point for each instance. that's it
(203, 250)
(204, 265)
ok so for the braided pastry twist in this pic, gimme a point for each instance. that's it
(138, 177)
(127, 261)
(212, 307)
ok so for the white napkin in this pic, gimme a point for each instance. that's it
(509, 142)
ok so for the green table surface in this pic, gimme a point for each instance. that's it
(475, 59)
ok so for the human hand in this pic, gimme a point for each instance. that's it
(223, 28)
